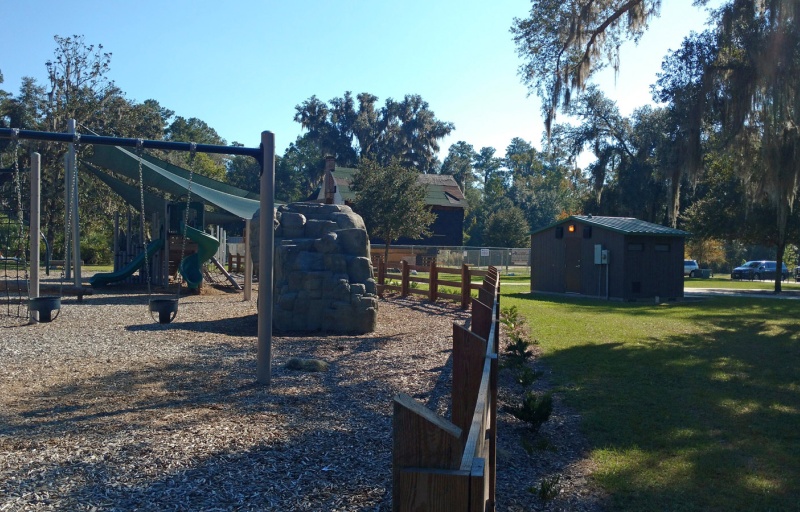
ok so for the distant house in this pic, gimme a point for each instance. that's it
(615, 257)
(443, 196)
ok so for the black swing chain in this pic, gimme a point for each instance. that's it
(192, 154)
(20, 250)
(146, 269)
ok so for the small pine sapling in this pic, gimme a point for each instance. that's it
(535, 410)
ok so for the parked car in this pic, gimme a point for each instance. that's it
(759, 270)
(691, 268)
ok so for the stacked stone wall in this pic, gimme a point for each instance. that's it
(323, 277)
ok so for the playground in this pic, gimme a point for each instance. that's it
(105, 408)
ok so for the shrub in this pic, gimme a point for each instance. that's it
(548, 488)
(534, 410)
(525, 376)
(518, 350)
(306, 365)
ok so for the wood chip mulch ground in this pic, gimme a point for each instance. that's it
(104, 409)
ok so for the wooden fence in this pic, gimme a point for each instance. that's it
(464, 285)
(235, 263)
(441, 465)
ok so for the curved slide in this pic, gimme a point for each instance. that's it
(105, 278)
(191, 266)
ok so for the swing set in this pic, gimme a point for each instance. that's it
(165, 308)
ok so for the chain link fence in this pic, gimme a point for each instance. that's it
(505, 259)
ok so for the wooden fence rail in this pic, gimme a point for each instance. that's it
(464, 285)
(441, 465)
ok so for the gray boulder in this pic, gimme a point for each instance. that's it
(323, 276)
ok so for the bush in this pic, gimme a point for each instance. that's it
(96, 248)
(535, 410)
(548, 489)
(306, 365)
(518, 350)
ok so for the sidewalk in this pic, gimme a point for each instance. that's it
(726, 292)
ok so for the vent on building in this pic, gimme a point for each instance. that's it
(587, 232)
(560, 232)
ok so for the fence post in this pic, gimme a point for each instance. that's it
(433, 282)
(404, 278)
(381, 277)
(465, 286)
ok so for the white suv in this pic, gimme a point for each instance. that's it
(691, 268)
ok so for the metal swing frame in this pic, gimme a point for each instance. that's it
(265, 156)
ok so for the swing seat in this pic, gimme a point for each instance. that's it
(45, 306)
(167, 309)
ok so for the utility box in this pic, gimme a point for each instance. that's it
(598, 254)
(604, 256)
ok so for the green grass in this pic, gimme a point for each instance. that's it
(687, 406)
(99, 268)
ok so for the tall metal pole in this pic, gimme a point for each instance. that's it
(248, 263)
(67, 209)
(36, 194)
(266, 248)
(76, 242)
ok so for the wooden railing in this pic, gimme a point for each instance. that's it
(441, 465)
(464, 285)
(235, 263)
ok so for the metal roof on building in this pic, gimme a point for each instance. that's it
(440, 189)
(624, 225)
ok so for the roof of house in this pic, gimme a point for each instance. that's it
(624, 225)
(440, 189)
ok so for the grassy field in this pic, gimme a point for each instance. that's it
(687, 406)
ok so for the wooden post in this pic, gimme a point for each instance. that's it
(433, 282)
(266, 252)
(481, 319)
(465, 286)
(492, 435)
(248, 263)
(381, 276)
(469, 352)
(404, 279)
(425, 446)
(36, 229)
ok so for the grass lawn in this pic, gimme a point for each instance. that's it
(99, 268)
(687, 406)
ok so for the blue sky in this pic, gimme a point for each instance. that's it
(243, 66)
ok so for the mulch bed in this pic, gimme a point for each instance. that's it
(104, 409)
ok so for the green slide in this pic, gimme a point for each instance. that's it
(191, 265)
(105, 278)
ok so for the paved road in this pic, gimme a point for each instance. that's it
(726, 292)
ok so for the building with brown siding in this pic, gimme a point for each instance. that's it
(442, 195)
(618, 258)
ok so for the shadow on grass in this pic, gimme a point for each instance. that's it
(696, 406)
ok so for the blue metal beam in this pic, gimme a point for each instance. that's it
(13, 133)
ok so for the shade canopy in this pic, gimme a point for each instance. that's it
(163, 176)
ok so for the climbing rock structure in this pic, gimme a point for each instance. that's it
(323, 277)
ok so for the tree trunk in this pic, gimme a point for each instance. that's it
(784, 209)
(779, 265)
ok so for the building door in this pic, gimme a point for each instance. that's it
(572, 261)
